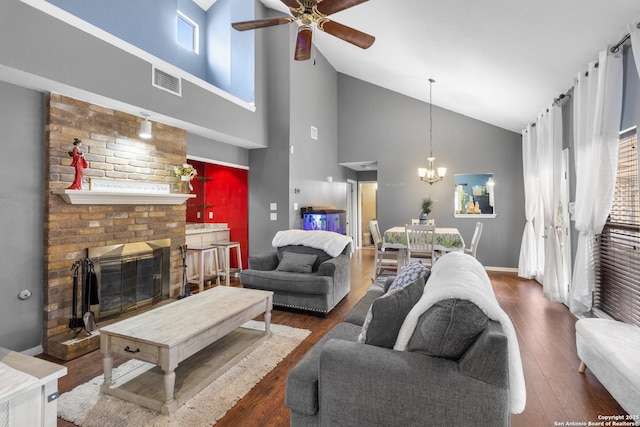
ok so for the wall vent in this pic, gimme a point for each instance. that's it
(163, 80)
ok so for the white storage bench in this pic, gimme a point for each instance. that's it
(611, 349)
(28, 390)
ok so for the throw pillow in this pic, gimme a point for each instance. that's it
(296, 263)
(408, 275)
(448, 328)
(387, 313)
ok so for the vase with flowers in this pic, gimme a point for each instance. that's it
(186, 173)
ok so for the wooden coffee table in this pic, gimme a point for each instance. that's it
(186, 345)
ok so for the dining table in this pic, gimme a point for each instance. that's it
(447, 239)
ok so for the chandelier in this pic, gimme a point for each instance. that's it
(431, 174)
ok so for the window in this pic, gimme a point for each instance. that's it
(617, 290)
(187, 33)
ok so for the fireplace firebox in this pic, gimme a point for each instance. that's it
(130, 276)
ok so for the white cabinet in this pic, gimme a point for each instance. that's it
(30, 390)
(204, 237)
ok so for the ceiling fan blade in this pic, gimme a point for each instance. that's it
(261, 23)
(303, 44)
(291, 4)
(348, 34)
(327, 7)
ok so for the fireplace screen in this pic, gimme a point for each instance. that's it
(130, 276)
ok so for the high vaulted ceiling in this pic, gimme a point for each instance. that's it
(498, 61)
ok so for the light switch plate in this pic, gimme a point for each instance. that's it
(273, 206)
(274, 216)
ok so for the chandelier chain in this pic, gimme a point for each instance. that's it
(430, 118)
(431, 174)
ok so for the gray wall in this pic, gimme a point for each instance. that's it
(314, 102)
(124, 18)
(21, 215)
(301, 95)
(392, 129)
(52, 50)
(269, 167)
(209, 149)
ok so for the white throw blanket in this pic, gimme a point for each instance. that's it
(457, 275)
(328, 241)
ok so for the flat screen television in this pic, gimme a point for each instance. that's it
(326, 219)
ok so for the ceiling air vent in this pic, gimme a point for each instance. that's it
(166, 81)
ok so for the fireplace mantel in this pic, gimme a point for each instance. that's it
(88, 197)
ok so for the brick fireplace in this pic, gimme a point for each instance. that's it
(113, 150)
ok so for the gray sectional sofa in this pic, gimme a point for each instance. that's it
(313, 280)
(455, 369)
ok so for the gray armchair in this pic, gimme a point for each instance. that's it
(319, 289)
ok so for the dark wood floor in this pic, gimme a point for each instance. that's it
(556, 392)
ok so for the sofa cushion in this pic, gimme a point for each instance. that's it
(297, 263)
(408, 275)
(448, 328)
(387, 281)
(386, 315)
(358, 313)
(299, 249)
(281, 281)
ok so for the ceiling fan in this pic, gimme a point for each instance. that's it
(307, 12)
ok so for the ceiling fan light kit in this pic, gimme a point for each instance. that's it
(308, 12)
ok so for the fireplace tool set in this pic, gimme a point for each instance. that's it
(83, 268)
(185, 280)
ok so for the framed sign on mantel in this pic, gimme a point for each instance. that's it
(122, 186)
(474, 196)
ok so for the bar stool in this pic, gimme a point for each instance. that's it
(225, 254)
(214, 264)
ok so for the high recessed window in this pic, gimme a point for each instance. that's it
(187, 32)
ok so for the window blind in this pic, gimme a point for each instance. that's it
(617, 262)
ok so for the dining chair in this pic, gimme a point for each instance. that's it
(420, 243)
(415, 221)
(385, 259)
(473, 248)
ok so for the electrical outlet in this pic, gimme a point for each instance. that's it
(210, 215)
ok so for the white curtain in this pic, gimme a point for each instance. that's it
(549, 169)
(527, 265)
(597, 104)
(634, 32)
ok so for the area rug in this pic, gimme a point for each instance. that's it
(87, 407)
